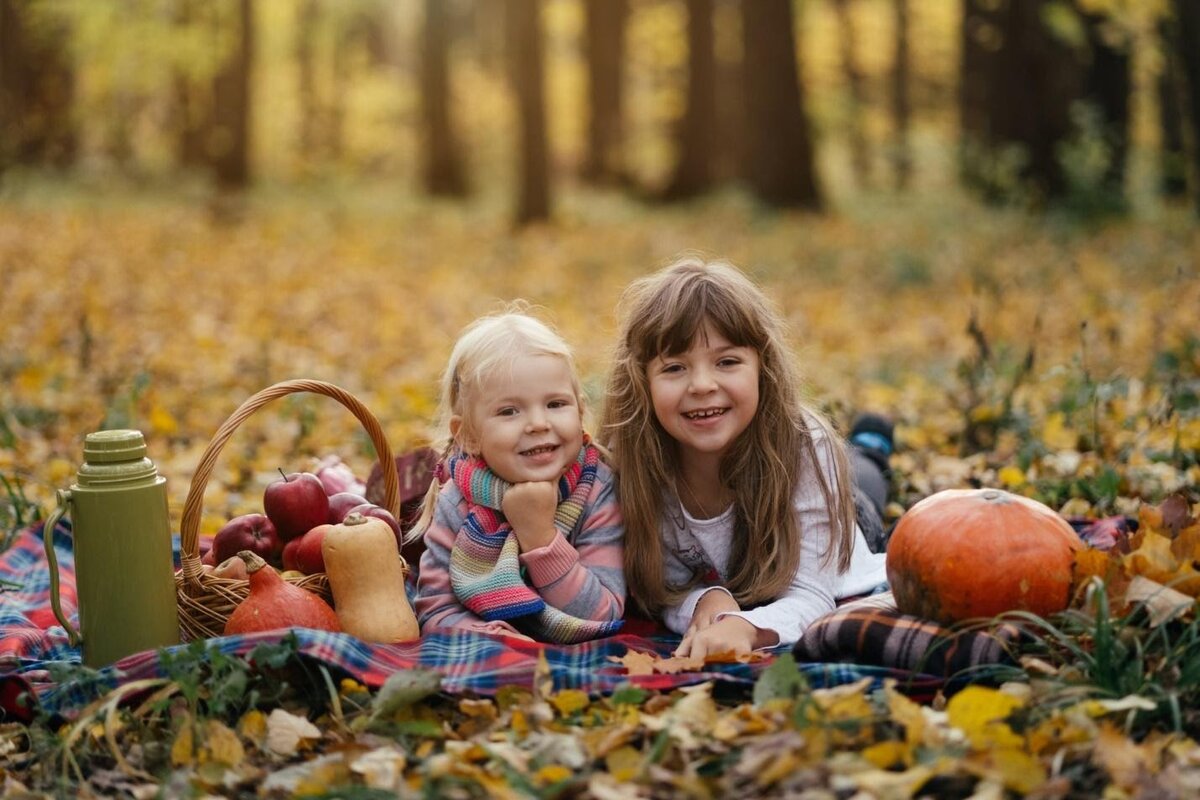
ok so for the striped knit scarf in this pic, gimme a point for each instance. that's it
(485, 570)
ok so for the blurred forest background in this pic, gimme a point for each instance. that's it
(978, 215)
(665, 98)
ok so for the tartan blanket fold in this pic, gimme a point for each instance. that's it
(871, 630)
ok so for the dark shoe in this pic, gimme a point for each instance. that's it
(872, 435)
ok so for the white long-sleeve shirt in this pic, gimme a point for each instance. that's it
(696, 546)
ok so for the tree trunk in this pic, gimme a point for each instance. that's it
(729, 138)
(37, 89)
(1018, 85)
(524, 38)
(308, 17)
(780, 168)
(443, 167)
(1172, 100)
(1187, 13)
(901, 155)
(334, 117)
(979, 35)
(229, 139)
(1107, 85)
(190, 112)
(605, 46)
(697, 131)
(860, 158)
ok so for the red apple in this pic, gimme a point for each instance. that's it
(289, 554)
(379, 512)
(309, 558)
(297, 503)
(342, 503)
(252, 532)
(209, 558)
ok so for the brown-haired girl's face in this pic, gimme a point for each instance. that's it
(706, 396)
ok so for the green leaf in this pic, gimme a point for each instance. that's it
(403, 689)
(629, 695)
(781, 680)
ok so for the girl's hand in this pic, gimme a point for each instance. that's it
(711, 603)
(729, 635)
(529, 508)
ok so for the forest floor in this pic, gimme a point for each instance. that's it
(1037, 353)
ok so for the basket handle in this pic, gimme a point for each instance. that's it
(189, 538)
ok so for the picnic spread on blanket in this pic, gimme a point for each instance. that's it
(69, 607)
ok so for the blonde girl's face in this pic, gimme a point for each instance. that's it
(706, 397)
(526, 423)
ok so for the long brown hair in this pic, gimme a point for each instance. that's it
(661, 315)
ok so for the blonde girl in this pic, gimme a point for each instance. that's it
(739, 519)
(524, 538)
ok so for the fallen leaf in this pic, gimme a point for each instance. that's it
(183, 749)
(286, 732)
(980, 713)
(624, 763)
(222, 745)
(402, 689)
(381, 768)
(636, 662)
(1162, 603)
(569, 701)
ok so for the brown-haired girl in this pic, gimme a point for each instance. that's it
(739, 515)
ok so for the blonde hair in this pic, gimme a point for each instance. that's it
(489, 344)
(661, 315)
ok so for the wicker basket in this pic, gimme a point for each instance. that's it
(205, 601)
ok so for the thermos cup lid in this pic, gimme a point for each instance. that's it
(106, 447)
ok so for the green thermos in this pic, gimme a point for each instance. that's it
(124, 574)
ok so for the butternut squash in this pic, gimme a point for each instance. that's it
(366, 576)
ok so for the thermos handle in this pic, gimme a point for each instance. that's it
(64, 500)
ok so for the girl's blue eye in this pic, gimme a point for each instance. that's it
(672, 367)
(729, 362)
(506, 412)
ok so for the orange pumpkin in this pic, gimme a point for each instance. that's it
(966, 553)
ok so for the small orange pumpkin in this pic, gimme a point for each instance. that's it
(965, 553)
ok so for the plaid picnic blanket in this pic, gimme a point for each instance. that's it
(871, 630)
(31, 642)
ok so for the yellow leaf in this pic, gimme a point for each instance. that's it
(551, 773)
(520, 723)
(222, 744)
(1154, 559)
(886, 755)
(484, 708)
(979, 712)
(1016, 769)
(162, 422)
(1090, 563)
(906, 713)
(1051, 734)
(182, 751)
(568, 701)
(1011, 477)
(623, 764)
(1056, 434)
(253, 727)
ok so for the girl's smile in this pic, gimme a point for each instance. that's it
(706, 397)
